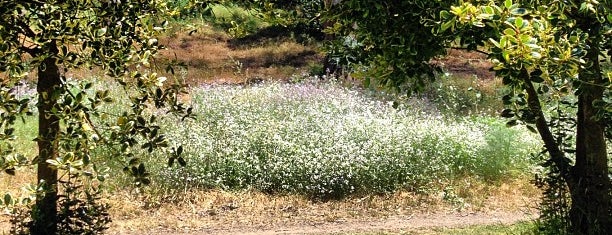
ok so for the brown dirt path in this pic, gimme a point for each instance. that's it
(251, 212)
(413, 224)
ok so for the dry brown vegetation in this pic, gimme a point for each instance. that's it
(213, 57)
(243, 212)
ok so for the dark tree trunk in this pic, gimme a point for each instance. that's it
(590, 183)
(587, 180)
(45, 213)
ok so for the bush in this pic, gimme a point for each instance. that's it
(326, 141)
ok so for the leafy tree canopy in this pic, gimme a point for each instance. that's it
(47, 39)
(553, 57)
(392, 41)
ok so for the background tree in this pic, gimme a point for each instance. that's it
(295, 14)
(391, 41)
(52, 37)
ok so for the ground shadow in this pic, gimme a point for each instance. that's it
(273, 34)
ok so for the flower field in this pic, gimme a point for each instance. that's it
(322, 140)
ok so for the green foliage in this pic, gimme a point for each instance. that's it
(81, 211)
(325, 141)
(192, 8)
(552, 56)
(52, 38)
(238, 21)
(463, 96)
(393, 40)
(305, 13)
(297, 18)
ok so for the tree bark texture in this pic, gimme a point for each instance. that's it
(587, 180)
(45, 213)
(590, 184)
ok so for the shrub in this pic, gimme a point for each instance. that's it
(326, 141)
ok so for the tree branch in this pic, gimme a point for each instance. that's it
(32, 51)
(467, 49)
(25, 29)
(556, 155)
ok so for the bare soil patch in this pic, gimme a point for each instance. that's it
(412, 224)
(466, 64)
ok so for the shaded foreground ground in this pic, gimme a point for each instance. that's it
(219, 212)
(413, 224)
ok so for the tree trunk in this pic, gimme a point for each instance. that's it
(45, 214)
(590, 184)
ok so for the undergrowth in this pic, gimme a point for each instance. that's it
(326, 141)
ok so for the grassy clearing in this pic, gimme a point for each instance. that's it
(237, 20)
(315, 139)
(321, 140)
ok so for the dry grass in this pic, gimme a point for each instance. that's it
(212, 58)
(215, 209)
(199, 210)
(464, 64)
(13, 185)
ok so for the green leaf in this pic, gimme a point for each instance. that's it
(141, 169)
(537, 79)
(101, 32)
(171, 161)
(532, 129)
(8, 200)
(509, 31)
(53, 162)
(182, 161)
(495, 43)
(518, 22)
(179, 151)
(519, 12)
(10, 171)
(506, 56)
(508, 4)
(507, 113)
(503, 42)
(134, 161)
(447, 25)
(445, 15)
(145, 181)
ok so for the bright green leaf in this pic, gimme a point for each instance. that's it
(508, 4)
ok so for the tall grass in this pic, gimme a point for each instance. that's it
(326, 141)
(465, 96)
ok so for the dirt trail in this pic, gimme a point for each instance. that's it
(252, 212)
(414, 224)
